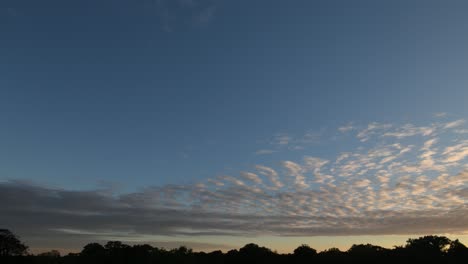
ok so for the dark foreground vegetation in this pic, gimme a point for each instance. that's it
(427, 249)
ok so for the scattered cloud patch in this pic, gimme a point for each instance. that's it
(282, 139)
(296, 171)
(265, 151)
(409, 130)
(371, 130)
(461, 131)
(454, 124)
(252, 177)
(271, 174)
(346, 128)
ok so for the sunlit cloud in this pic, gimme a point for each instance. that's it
(454, 124)
(371, 130)
(346, 128)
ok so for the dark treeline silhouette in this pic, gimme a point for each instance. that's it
(427, 249)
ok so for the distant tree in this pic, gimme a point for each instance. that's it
(115, 245)
(93, 250)
(428, 245)
(332, 253)
(182, 251)
(365, 249)
(143, 249)
(10, 245)
(254, 250)
(216, 253)
(305, 251)
(232, 253)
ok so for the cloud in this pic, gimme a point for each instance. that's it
(409, 130)
(391, 186)
(454, 124)
(315, 165)
(440, 114)
(95, 214)
(362, 183)
(372, 129)
(296, 171)
(271, 174)
(346, 128)
(265, 151)
(282, 139)
(310, 138)
(252, 177)
(460, 152)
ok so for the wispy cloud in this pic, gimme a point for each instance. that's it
(372, 129)
(346, 128)
(281, 141)
(265, 151)
(454, 124)
(440, 114)
(177, 13)
(461, 131)
(409, 130)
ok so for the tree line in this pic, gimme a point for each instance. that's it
(428, 249)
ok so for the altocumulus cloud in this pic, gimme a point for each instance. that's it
(387, 185)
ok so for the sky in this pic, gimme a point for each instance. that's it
(215, 123)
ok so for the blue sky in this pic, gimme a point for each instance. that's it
(140, 97)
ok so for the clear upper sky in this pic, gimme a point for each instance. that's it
(140, 98)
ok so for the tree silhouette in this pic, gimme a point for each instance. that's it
(365, 250)
(305, 251)
(429, 246)
(115, 245)
(304, 254)
(10, 245)
(428, 249)
(93, 250)
(254, 250)
(332, 252)
(182, 251)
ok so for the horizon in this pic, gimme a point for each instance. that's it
(225, 249)
(217, 123)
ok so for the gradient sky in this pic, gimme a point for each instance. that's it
(215, 123)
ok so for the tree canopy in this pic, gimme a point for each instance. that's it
(10, 245)
(423, 249)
